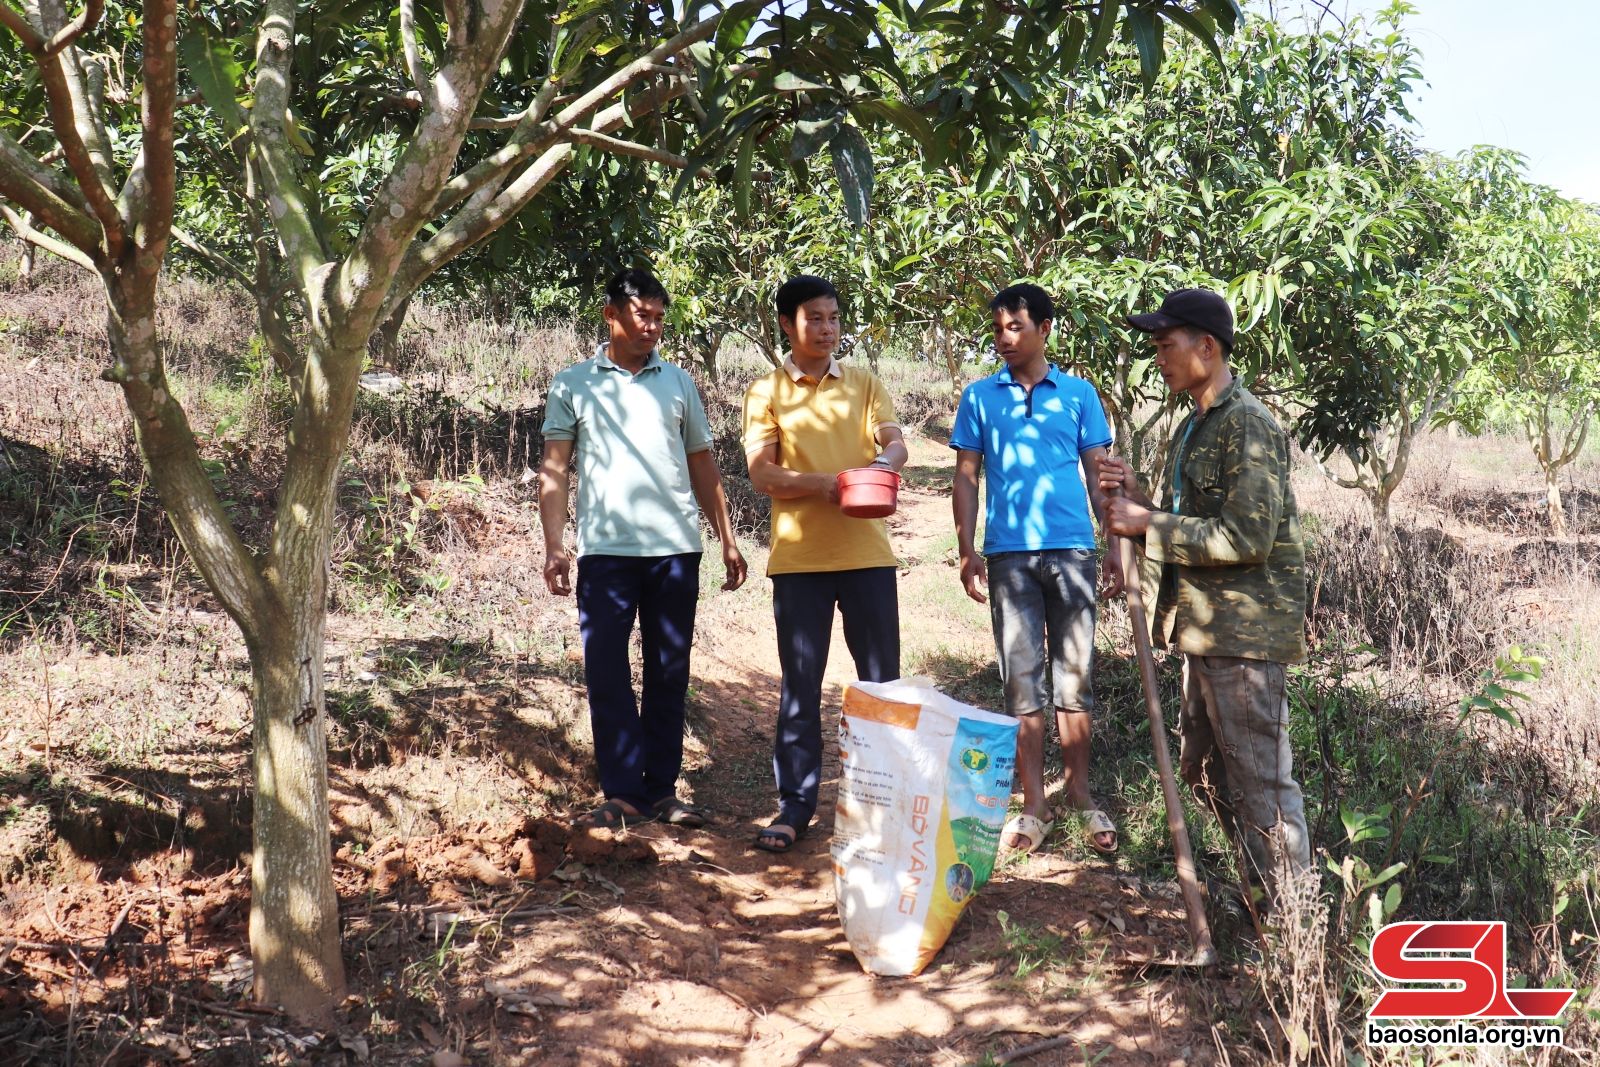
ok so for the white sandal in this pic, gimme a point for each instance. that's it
(1030, 829)
(1097, 822)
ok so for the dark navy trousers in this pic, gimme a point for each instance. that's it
(803, 605)
(638, 746)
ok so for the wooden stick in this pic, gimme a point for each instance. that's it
(1022, 1052)
(1205, 953)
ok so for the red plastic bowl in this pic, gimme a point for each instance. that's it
(868, 492)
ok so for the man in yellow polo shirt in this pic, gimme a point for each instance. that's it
(803, 424)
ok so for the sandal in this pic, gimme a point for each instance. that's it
(675, 812)
(609, 816)
(1097, 822)
(781, 835)
(1031, 829)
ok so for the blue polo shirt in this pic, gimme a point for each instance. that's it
(1031, 442)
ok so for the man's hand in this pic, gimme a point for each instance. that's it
(558, 571)
(733, 562)
(975, 576)
(828, 488)
(1117, 478)
(1126, 518)
(1112, 579)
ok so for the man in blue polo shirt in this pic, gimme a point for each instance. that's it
(643, 446)
(1036, 434)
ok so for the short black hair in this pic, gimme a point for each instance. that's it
(1194, 333)
(1041, 308)
(635, 282)
(801, 288)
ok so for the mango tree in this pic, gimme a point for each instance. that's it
(1546, 259)
(1134, 191)
(484, 104)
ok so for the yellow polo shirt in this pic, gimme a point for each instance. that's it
(821, 427)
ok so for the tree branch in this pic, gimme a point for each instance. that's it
(591, 101)
(618, 146)
(17, 23)
(487, 209)
(66, 251)
(154, 176)
(288, 201)
(406, 198)
(79, 128)
(224, 263)
(43, 194)
(413, 54)
(69, 33)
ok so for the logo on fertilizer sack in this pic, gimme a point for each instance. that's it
(1464, 967)
(974, 759)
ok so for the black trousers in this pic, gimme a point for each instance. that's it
(637, 745)
(803, 606)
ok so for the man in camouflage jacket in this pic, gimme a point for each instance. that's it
(1232, 593)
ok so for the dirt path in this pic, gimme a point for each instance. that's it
(722, 954)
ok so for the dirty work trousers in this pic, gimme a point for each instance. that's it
(638, 746)
(1236, 756)
(802, 606)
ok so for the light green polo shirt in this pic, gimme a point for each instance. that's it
(634, 434)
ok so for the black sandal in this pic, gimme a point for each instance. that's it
(609, 816)
(675, 812)
(771, 838)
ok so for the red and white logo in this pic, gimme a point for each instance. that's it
(1470, 958)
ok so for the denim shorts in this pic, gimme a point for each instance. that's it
(1040, 600)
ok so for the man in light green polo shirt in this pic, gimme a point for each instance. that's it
(644, 458)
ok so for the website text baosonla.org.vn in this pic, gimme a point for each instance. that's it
(1456, 1035)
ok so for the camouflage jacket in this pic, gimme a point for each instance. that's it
(1232, 569)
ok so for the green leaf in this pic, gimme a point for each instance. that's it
(1199, 25)
(1072, 44)
(741, 176)
(1384, 875)
(811, 133)
(852, 164)
(733, 33)
(215, 70)
(1019, 86)
(1104, 25)
(904, 117)
(1146, 30)
(789, 82)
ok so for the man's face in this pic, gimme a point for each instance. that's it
(1185, 357)
(1017, 338)
(635, 326)
(814, 331)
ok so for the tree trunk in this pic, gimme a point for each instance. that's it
(25, 267)
(280, 606)
(1552, 501)
(294, 912)
(294, 915)
(709, 342)
(1378, 498)
(386, 340)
